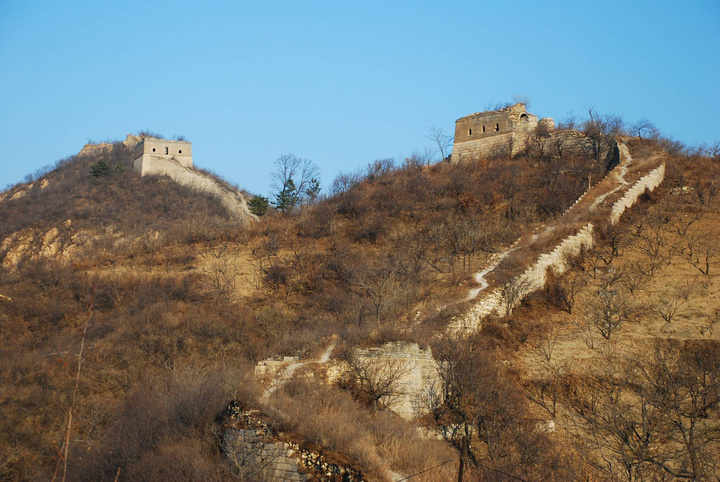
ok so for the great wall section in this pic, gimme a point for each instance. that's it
(247, 439)
(162, 157)
(189, 177)
(570, 233)
(607, 200)
(598, 200)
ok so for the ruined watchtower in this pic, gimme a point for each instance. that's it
(151, 154)
(502, 132)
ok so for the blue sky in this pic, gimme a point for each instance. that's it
(341, 83)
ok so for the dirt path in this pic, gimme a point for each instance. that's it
(619, 173)
(586, 204)
(619, 181)
(286, 373)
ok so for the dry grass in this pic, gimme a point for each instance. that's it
(376, 442)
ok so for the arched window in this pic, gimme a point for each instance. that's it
(483, 128)
(497, 127)
(469, 132)
(179, 151)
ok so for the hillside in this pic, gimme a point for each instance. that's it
(142, 308)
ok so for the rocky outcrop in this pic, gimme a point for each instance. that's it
(91, 149)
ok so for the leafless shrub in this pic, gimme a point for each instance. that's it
(564, 290)
(608, 310)
(376, 380)
(669, 303)
(652, 413)
(513, 292)
(701, 249)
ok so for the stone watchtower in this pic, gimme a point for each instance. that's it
(502, 132)
(151, 154)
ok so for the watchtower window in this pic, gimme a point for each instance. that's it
(469, 132)
(167, 151)
(153, 149)
(179, 151)
(483, 128)
(497, 127)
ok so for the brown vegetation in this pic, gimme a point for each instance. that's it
(178, 318)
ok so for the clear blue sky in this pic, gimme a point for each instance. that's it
(341, 83)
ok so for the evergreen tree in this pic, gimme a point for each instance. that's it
(258, 205)
(288, 197)
(100, 168)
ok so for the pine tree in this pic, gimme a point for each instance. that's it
(288, 197)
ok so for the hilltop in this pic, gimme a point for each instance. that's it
(322, 323)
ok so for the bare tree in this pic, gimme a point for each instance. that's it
(635, 276)
(220, 266)
(569, 122)
(482, 402)
(669, 303)
(544, 389)
(602, 129)
(376, 379)
(653, 413)
(513, 292)
(379, 284)
(619, 428)
(644, 125)
(380, 170)
(608, 310)
(295, 181)
(683, 383)
(652, 242)
(567, 288)
(701, 248)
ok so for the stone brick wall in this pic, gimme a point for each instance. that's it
(420, 373)
(233, 201)
(492, 146)
(261, 459)
(503, 132)
(130, 142)
(151, 150)
(260, 453)
(534, 277)
(649, 182)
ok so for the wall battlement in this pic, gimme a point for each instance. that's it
(152, 154)
(495, 133)
(162, 157)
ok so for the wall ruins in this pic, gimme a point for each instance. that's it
(502, 132)
(261, 453)
(417, 368)
(649, 182)
(499, 301)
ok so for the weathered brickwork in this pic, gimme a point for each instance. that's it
(151, 153)
(503, 132)
(418, 373)
(259, 452)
